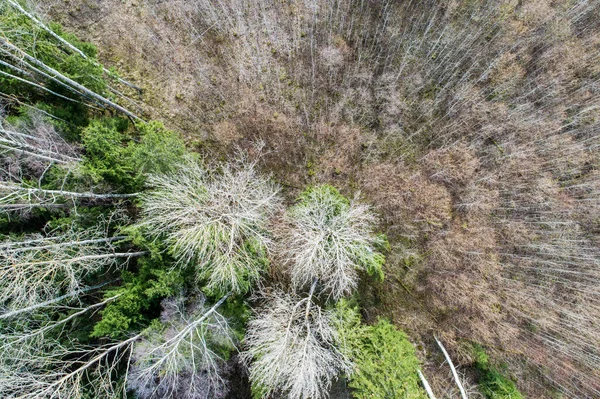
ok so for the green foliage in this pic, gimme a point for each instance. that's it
(88, 49)
(374, 261)
(107, 158)
(137, 238)
(326, 194)
(259, 391)
(117, 155)
(34, 222)
(84, 217)
(493, 384)
(237, 312)
(385, 361)
(70, 117)
(158, 149)
(35, 41)
(123, 314)
(139, 297)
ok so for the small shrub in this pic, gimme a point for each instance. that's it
(139, 294)
(115, 155)
(385, 361)
(159, 150)
(493, 384)
(106, 155)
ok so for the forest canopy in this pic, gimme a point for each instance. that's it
(306, 199)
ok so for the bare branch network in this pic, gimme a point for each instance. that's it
(33, 146)
(40, 269)
(179, 360)
(216, 220)
(292, 349)
(329, 238)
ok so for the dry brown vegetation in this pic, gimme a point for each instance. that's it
(472, 126)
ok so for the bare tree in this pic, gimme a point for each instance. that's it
(179, 360)
(327, 237)
(35, 71)
(54, 302)
(23, 197)
(216, 220)
(54, 371)
(291, 348)
(39, 269)
(32, 147)
(24, 339)
(65, 43)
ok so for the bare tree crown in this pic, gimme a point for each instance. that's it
(292, 348)
(179, 357)
(214, 220)
(328, 237)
